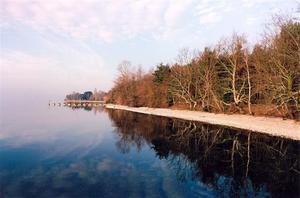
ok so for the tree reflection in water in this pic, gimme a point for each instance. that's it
(234, 163)
(96, 110)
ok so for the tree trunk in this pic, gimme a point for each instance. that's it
(249, 85)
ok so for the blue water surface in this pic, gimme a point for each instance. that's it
(63, 152)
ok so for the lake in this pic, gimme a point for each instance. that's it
(51, 151)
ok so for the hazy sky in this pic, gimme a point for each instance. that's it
(52, 47)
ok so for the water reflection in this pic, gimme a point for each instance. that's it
(65, 152)
(234, 163)
(95, 109)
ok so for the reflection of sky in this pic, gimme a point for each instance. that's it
(55, 151)
(48, 124)
(105, 176)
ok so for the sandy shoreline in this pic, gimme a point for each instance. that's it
(272, 126)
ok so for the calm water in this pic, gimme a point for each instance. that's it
(64, 152)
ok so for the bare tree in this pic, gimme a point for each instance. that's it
(231, 58)
(184, 85)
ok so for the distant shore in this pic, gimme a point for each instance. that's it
(272, 126)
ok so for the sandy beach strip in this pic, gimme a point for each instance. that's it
(273, 126)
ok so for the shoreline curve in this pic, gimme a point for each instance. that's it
(289, 129)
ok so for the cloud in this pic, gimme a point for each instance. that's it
(210, 12)
(252, 3)
(23, 73)
(104, 20)
(174, 12)
(210, 18)
(252, 20)
(58, 74)
(113, 20)
(17, 64)
(82, 24)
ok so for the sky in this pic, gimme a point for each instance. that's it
(49, 48)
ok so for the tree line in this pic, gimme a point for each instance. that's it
(261, 79)
(87, 95)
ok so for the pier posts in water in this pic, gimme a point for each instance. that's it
(77, 103)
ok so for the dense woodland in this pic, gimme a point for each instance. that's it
(230, 77)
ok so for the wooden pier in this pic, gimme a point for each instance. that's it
(77, 103)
